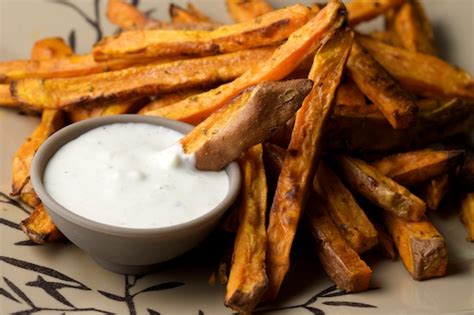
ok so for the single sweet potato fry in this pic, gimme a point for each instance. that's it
(301, 44)
(467, 215)
(50, 48)
(263, 109)
(40, 228)
(272, 28)
(247, 279)
(349, 94)
(372, 79)
(420, 73)
(415, 167)
(189, 15)
(381, 190)
(125, 107)
(143, 81)
(168, 99)
(364, 10)
(420, 246)
(127, 16)
(28, 195)
(344, 210)
(433, 191)
(244, 11)
(342, 264)
(385, 245)
(302, 155)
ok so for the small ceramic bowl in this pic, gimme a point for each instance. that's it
(120, 249)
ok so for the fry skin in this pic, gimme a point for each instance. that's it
(364, 10)
(244, 11)
(467, 215)
(40, 228)
(263, 109)
(434, 190)
(302, 156)
(247, 279)
(144, 81)
(189, 15)
(301, 44)
(270, 29)
(420, 73)
(414, 167)
(127, 16)
(381, 190)
(420, 246)
(344, 210)
(342, 264)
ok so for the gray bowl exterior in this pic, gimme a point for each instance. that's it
(119, 249)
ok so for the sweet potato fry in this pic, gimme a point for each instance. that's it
(49, 48)
(28, 195)
(415, 167)
(301, 44)
(125, 107)
(302, 155)
(411, 28)
(143, 81)
(385, 243)
(349, 94)
(467, 215)
(244, 11)
(263, 109)
(381, 190)
(127, 16)
(434, 190)
(344, 210)
(420, 246)
(189, 15)
(342, 264)
(6, 98)
(372, 79)
(167, 100)
(422, 74)
(364, 10)
(248, 279)
(40, 228)
(270, 29)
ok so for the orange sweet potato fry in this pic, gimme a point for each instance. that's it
(302, 155)
(127, 16)
(50, 48)
(420, 73)
(415, 167)
(381, 190)
(420, 246)
(270, 29)
(125, 107)
(364, 10)
(244, 11)
(144, 81)
(349, 94)
(301, 44)
(433, 191)
(342, 264)
(189, 15)
(40, 228)
(168, 99)
(6, 98)
(263, 109)
(247, 279)
(467, 215)
(28, 195)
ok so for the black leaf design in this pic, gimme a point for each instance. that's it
(43, 270)
(111, 296)
(327, 290)
(152, 312)
(338, 293)
(18, 292)
(314, 310)
(52, 289)
(26, 243)
(200, 312)
(7, 200)
(11, 224)
(72, 40)
(6, 294)
(351, 304)
(162, 286)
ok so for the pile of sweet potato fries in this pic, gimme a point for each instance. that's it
(381, 138)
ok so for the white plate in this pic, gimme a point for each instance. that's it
(59, 278)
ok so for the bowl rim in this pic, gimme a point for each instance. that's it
(71, 132)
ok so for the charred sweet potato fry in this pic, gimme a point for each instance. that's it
(244, 11)
(189, 15)
(344, 210)
(385, 243)
(263, 109)
(302, 155)
(420, 73)
(248, 279)
(301, 44)
(364, 10)
(433, 191)
(144, 81)
(342, 264)
(415, 167)
(467, 215)
(127, 16)
(395, 103)
(168, 99)
(40, 228)
(125, 107)
(420, 246)
(271, 28)
(380, 189)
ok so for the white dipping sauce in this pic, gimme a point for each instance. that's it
(132, 175)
